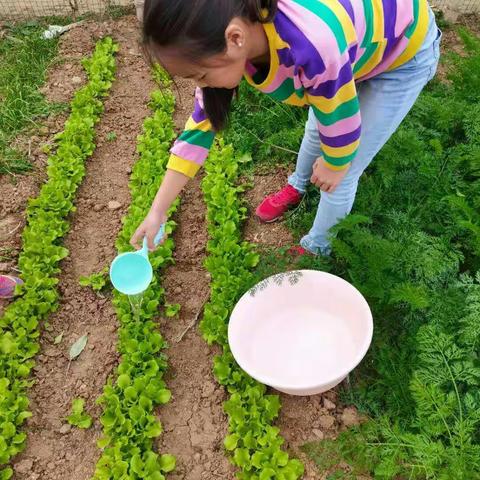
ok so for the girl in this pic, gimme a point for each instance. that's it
(359, 66)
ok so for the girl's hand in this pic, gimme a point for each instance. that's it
(326, 179)
(149, 228)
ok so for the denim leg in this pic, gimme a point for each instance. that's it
(384, 102)
(310, 150)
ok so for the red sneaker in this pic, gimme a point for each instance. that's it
(275, 205)
(299, 251)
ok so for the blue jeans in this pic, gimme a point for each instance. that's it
(384, 102)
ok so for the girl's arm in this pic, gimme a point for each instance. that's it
(187, 156)
(173, 183)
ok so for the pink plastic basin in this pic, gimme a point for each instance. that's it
(301, 332)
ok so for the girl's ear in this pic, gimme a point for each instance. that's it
(235, 34)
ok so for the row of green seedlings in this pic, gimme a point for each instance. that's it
(255, 444)
(42, 250)
(130, 426)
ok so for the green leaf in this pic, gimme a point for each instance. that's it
(167, 463)
(172, 310)
(231, 441)
(77, 348)
(154, 430)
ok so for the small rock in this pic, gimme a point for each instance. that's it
(114, 205)
(197, 457)
(51, 466)
(350, 417)
(177, 290)
(4, 267)
(76, 80)
(208, 390)
(25, 466)
(328, 404)
(43, 131)
(318, 433)
(97, 207)
(92, 346)
(65, 428)
(326, 421)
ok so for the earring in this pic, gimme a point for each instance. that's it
(240, 44)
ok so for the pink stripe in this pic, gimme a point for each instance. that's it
(387, 62)
(282, 74)
(360, 23)
(346, 125)
(199, 96)
(193, 153)
(404, 16)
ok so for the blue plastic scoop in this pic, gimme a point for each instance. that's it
(131, 272)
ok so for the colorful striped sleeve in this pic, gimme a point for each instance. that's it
(191, 148)
(337, 110)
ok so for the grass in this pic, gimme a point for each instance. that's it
(24, 59)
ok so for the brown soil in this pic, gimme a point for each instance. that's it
(53, 449)
(274, 234)
(194, 422)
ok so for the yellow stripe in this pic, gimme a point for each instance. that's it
(273, 42)
(416, 40)
(204, 125)
(181, 165)
(338, 152)
(295, 100)
(329, 105)
(378, 22)
(373, 61)
(344, 18)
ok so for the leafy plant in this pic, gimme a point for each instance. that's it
(130, 426)
(254, 443)
(97, 281)
(172, 310)
(42, 250)
(78, 417)
(111, 136)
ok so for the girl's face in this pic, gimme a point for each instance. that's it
(245, 41)
(224, 70)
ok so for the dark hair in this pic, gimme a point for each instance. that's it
(197, 29)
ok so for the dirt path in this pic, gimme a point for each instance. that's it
(194, 422)
(55, 451)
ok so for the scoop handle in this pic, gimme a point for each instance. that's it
(158, 238)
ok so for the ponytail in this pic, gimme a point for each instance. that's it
(197, 29)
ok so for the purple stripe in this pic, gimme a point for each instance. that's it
(303, 50)
(330, 88)
(389, 18)
(352, 53)
(348, 7)
(341, 140)
(198, 114)
(285, 57)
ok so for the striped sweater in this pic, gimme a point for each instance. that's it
(319, 51)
